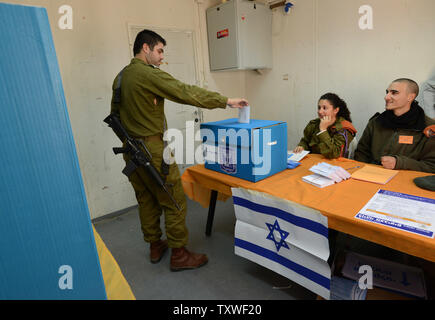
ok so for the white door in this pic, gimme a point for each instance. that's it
(180, 62)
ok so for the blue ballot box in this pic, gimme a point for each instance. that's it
(251, 151)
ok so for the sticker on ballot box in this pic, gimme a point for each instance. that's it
(210, 153)
(228, 159)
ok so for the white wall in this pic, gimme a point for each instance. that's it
(321, 48)
(90, 55)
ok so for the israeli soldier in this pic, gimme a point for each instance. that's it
(140, 106)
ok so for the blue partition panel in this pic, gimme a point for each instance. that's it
(47, 246)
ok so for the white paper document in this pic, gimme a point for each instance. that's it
(245, 114)
(326, 175)
(297, 156)
(401, 211)
(335, 173)
(318, 180)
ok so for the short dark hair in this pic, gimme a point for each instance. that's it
(337, 102)
(149, 37)
(412, 85)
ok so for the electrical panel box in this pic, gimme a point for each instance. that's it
(239, 35)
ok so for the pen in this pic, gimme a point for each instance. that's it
(354, 168)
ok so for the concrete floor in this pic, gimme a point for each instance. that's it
(225, 277)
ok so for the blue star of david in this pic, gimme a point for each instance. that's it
(282, 233)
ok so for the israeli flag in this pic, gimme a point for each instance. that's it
(285, 237)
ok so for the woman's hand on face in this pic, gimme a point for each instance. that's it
(298, 149)
(325, 122)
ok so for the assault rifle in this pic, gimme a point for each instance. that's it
(138, 158)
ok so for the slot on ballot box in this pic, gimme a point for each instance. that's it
(252, 151)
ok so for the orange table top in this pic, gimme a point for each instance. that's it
(339, 202)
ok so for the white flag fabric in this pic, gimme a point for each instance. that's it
(283, 236)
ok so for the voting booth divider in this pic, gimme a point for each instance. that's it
(47, 244)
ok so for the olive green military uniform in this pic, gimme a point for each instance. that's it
(331, 143)
(143, 90)
(416, 153)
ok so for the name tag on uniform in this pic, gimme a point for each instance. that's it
(406, 139)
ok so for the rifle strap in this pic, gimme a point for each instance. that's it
(117, 94)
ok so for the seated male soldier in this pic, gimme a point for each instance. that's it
(399, 138)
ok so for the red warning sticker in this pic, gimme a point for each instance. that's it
(222, 34)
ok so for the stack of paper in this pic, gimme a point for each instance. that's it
(318, 180)
(326, 175)
(335, 173)
(374, 174)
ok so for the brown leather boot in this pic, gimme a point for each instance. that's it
(182, 259)
(157, 250)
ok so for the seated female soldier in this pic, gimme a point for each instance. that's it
(331, 133)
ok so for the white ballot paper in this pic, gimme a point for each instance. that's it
(335, 173)
(297, 156)
(245, 114)
(401, 211)
(318, 180)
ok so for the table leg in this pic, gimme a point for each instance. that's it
(211, 208)
(332, 237)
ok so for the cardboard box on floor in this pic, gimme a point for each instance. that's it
(381, 294)
(376, 293)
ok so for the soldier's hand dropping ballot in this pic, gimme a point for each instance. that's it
(237, 103)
